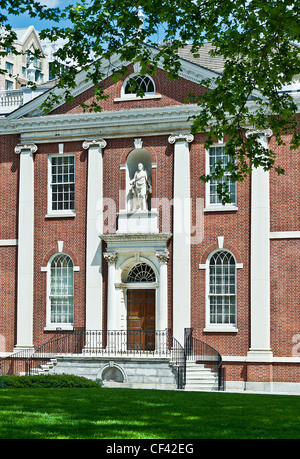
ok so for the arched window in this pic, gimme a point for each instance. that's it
(222, 288)
(141, 273)
(61, 295)
(136, 85)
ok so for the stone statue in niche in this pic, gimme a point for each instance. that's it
(140, 189)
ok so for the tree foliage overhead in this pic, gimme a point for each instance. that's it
(258, 40)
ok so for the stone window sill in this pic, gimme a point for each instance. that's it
(221, 329)
(59, 327)
(130, 98)
(61, 215)
(221, 209)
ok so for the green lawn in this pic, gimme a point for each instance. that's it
(145, 414)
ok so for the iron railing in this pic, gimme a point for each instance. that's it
(201, 352)
(15, 364)
(178, 358)
(99, 343)
(27, 361)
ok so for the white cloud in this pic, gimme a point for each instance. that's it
(50, 3)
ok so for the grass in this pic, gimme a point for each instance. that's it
(145, 414)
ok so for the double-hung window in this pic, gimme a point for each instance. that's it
(218, 156)
(62, 184)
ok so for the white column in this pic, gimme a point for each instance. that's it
(94, 227)
(181, 236)
(260, 347)
(162, 312)
(113, 315)
(25, 248)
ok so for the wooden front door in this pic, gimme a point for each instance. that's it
(141, 319)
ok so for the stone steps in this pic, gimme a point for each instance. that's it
(43, 369)
(200, 378)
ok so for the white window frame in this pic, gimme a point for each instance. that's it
(57, 325)
(223, 327)
(58, 212)
(216, 207)
(9, 83)
(9, 67)
(147, 95)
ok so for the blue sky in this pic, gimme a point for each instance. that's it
(24, 20)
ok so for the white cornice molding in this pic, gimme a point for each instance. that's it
(84, 121)
(57, 128)
(136, 237)
(138, 241)
(150, 121)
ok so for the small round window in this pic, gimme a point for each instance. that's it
(138, 85)
(141, 273)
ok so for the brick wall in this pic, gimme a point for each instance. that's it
(50, 230)
(285, 190)
(9, 178)
(285, 302)
(234, 227)
(8, 297)
(172, 92)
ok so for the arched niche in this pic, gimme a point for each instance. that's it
(136, 157)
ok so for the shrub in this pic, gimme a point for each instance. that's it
(46, 381)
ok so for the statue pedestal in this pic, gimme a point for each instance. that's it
(138, 221)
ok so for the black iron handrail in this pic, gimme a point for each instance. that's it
(21, 362)
(63, 342)
(15, 364)
(201, 352)
(178, 357)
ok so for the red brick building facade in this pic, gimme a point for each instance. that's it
(74, 233)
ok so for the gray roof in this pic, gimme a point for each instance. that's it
(204, 60)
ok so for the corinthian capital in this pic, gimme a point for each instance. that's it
(111, 257)
(29, 147)
(163, 257)
(94, 143)
(183, 137)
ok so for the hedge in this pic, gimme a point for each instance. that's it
(46, 381)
